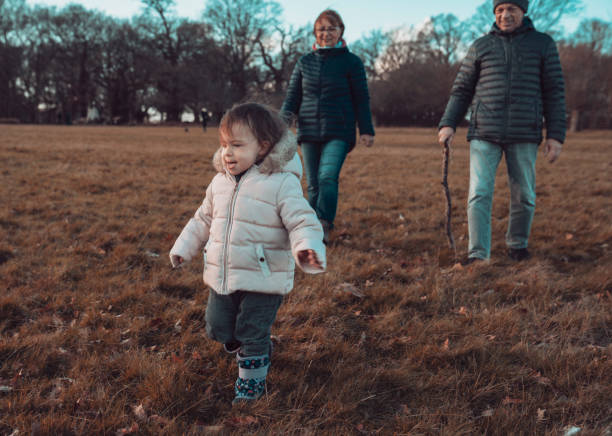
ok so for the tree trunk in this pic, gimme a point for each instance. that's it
(574, 121)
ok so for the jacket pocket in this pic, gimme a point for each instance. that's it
(538, 117)
(262, 261)
(475, 115)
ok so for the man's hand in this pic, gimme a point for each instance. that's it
(176, 260)
(552, 149)
(309, 257)
(446, 133)
(367, 140)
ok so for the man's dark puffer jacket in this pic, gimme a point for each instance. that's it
(512, 81)
(328, 92)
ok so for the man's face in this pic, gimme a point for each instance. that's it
(508, 17)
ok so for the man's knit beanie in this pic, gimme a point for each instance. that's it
(520, 3)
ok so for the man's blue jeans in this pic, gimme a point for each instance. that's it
(484, 159)
(323, 162)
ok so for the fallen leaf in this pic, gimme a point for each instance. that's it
(357, 312)
(159, 420)
(463, 311)
(445, 345)
(569, 236)
(540, 413)
(488, 412)
(349, 287)
(243, 421)
(571, 430)
(139, 412)
(457, 267)
(509, 400)
(124, 431)
(211, 429)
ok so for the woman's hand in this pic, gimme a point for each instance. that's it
(309, 257)
(367, 140)
(552, 149)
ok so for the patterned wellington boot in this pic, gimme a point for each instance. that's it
(251, 381)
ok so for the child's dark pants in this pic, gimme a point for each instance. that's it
(244, 317)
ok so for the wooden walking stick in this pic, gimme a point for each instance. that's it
(445, 257)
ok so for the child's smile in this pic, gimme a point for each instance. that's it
(240, 149)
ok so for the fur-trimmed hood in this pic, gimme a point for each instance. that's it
(282, 157)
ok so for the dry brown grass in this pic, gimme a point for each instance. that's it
(93, 324)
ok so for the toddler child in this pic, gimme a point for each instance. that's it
(254, 225)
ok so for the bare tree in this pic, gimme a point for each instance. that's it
(587, 60)
(369, 48)
(444, 35)
(279, 52)
(240, 26)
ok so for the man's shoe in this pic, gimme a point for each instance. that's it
(472, 260)
(326, 230)
(518, 254)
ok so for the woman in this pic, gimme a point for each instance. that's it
(328, 93)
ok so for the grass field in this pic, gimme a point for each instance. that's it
(100, 336)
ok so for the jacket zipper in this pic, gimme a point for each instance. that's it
(319, 97)
(508, 52)
(228, 229)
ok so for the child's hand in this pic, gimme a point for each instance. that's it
(176, 260)
(309, 257)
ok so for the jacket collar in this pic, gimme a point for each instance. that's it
(280, 159)
(330, 51)
(525, 26)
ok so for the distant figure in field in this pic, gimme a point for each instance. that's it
(204, 117)
(512, 81)
(328, 92)
(254, 226)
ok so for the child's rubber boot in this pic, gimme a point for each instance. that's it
(251, 382)
(232, 347)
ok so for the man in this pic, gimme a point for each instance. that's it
(204, 116)
(511, 79)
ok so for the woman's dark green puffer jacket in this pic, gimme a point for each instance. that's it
(512, 82)
(328, 92)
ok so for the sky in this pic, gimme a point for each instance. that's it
(359, 16)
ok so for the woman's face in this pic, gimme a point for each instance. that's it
(326, 33)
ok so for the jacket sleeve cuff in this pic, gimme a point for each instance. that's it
(189, 241)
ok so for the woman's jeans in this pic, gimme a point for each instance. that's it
(323, 162)
(244, 317)
(484, 159)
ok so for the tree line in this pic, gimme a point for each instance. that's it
(59, 65)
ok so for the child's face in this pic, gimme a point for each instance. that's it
(240, 149)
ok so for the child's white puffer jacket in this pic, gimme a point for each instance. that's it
(252, 230)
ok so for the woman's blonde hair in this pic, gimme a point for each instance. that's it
(331, 16)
